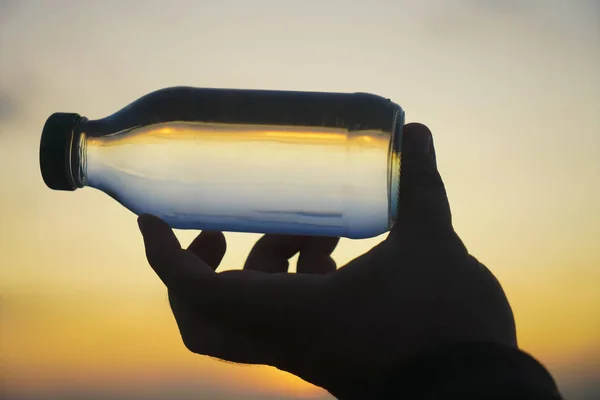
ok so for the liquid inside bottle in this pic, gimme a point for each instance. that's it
(245, 176)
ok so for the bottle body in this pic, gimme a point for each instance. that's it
(248, 161)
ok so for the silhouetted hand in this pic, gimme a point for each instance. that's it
(341, 330)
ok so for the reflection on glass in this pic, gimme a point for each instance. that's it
(249, 178)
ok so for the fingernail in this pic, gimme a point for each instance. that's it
(417, 139)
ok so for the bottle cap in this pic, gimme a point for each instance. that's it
(55, 151)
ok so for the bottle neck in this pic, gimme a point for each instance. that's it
(78, 159)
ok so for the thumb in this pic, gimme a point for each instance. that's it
(423, 204)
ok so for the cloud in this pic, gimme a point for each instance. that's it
(582, 391)
(505, 7)
(6, 7)
(178, 394)
(9, 106)
(468, 19)
(474, 19)
(19, 90)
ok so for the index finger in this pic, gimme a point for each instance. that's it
(262, 303)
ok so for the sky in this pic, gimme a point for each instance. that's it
(510, 90)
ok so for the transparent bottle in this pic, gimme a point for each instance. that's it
(257, 161)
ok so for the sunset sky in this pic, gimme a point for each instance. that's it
(510, 89)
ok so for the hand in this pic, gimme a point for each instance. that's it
(341, 330)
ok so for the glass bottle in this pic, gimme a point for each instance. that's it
(259, 161)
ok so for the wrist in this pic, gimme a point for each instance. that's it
(461, 370)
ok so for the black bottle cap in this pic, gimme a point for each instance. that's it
(55, 151)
